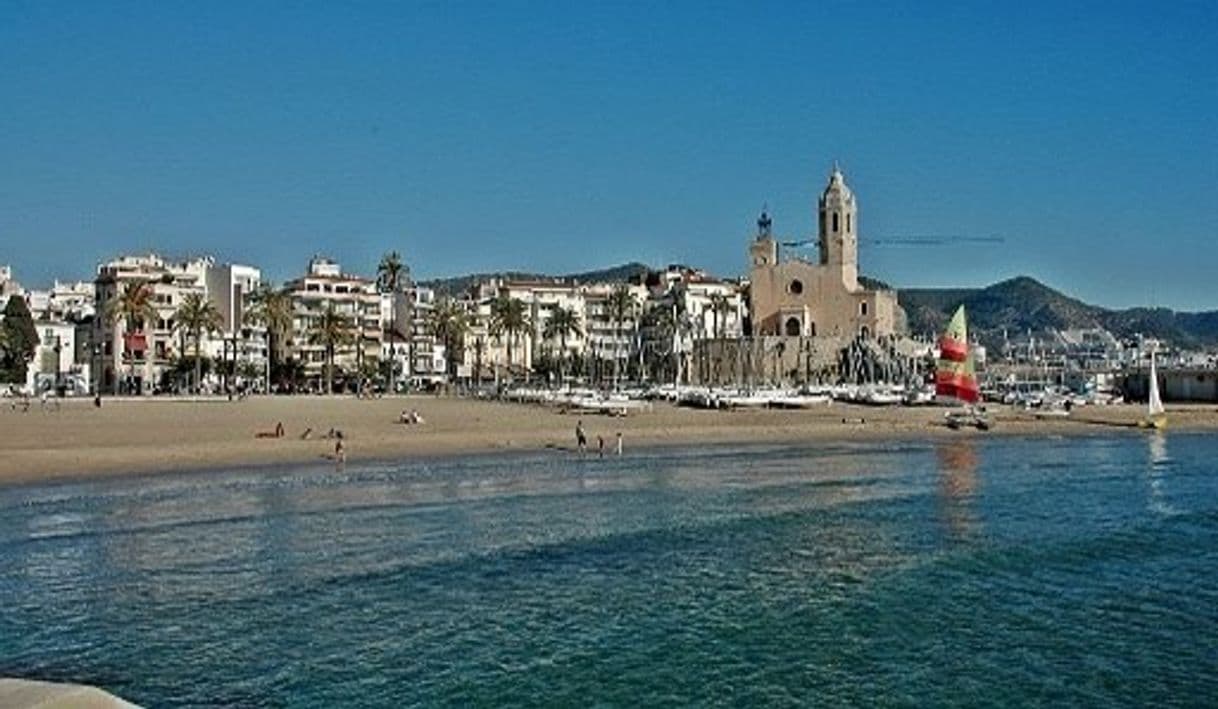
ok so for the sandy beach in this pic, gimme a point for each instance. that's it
(149, 435)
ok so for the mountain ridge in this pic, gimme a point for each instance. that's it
(1023, 303)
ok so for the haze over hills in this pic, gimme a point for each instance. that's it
(1023, 303)
(1014, 305)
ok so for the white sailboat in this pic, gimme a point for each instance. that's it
(1156, 415)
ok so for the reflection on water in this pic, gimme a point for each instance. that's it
(759, 575)
(1156, 469)
(958, 481)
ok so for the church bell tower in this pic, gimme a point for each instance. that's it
(839, 245)
(764, 249)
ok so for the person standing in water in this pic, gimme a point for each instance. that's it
(340, 451)
(600, 446)
(581, 439)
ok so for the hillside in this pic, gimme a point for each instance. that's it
(1023, 303)
(458, 285)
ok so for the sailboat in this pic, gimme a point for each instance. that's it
(956, 377)
(1156, 415)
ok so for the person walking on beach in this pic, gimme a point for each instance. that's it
(619, 442)
(581, 439)
(340, 452)
(600, 446)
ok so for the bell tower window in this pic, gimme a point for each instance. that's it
(847, 223)
(835, 222)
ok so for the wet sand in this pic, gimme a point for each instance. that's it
(149, 435)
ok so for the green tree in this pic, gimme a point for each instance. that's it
(390, 273)
(133, 307)
(563, 323)
(621, 308)
(449, 324)
(197, 316)
(332, 330)
(509, 319)
(272, 309)
(19, 338)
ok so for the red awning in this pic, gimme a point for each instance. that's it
(135, 342)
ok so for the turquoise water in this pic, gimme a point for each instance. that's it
(997, 571)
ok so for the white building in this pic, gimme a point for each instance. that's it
(142, 357)
(354, 298)
(61, 360)
(137, 357)
(229, 287)
(404, 321)
(71, 302)
(598, 342)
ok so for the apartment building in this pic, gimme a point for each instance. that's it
(138, 357)
(354, 298)
(408, 340)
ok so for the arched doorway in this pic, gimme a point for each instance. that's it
(792, 327)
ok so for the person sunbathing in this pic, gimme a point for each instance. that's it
(277, 433)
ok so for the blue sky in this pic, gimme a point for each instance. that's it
(566, 136)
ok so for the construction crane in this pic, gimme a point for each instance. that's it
(943, 240)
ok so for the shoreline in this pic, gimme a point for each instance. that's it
(131, 438)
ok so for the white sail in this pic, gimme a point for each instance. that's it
(1155, 403)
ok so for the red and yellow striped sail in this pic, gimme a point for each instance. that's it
(954, 376)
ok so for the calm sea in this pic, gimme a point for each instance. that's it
(998, 571)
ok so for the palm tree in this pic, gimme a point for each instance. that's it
(389, 277)
(448, 323)
(133, 307)
(509, 317)
(621, 308)
(563, 323)
(720, 307)
(273, 309)
(331, 330)
(195, 316)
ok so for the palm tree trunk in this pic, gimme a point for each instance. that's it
(198, 366)
(329, 370)
(393, 350)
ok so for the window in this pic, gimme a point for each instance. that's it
(835, 222)
(847, 223)
(863, 308)
(792, 327)
(795, 287)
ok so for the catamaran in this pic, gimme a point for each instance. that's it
(955, 376)
(1156, 415)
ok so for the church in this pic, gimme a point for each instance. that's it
(795, 297)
